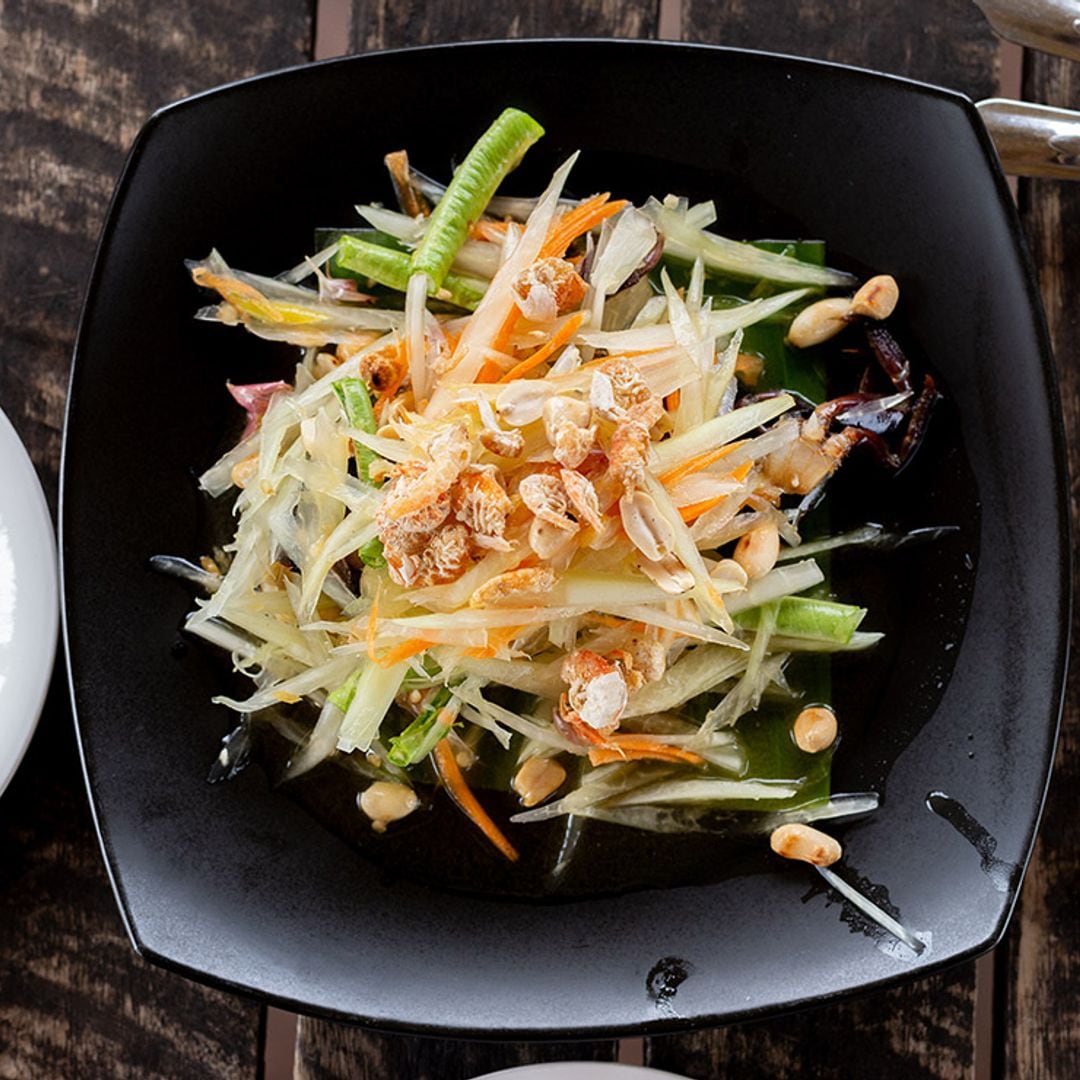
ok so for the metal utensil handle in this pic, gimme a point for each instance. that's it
(1051, 26)
(1034, 140)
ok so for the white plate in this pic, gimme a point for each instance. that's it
(28, 600)
(580, 1070)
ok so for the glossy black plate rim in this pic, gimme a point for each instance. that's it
(667, 1024)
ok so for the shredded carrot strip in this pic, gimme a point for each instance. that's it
(605, 757)
(631, 740)
(450, 773)
(489, 372)
(558, 339)
(671, 402)
(696, 464)
(402, 652)
(502, 338)
(629, 747)
(692, 511)
(578, 220)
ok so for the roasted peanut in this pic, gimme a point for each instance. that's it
(649, 531)
(668, 573)
(819, 322)
(209, 565)
(384, 801)
(805, 844)
(552, 543)
(757, 551)
(243, 471)
(815, 729)
(749, 368)
(728, 576)
(538, 778)
(877, 299)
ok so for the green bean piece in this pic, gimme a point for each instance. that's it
(354, 398)
(391, 268)
(806, 617)
(475, 180)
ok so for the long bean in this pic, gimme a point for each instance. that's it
(475, 180)
(806, 617)
(392, 268)
(353, 395)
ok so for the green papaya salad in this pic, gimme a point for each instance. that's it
(535, 495)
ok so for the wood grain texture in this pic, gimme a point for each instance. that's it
(391, 24)
(926, 1028)
(75, 1000)
(331, 1051)
(1040, 968)
(915, 1032)
(77, 80)
(938, 41)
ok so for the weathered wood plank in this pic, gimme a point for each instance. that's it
(939, 41)
(917, 1031)
(75, 1000)
(926, 1028)
(1040, 966)
(378, 24)
(330, 1050)
(77, 79)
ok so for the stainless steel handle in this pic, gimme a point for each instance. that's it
(1051, 26)
(1034, 140)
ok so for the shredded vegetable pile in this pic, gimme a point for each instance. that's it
(531, 497)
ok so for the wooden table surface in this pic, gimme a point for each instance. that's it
(77, 79)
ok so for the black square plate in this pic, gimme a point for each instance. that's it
(236, 884)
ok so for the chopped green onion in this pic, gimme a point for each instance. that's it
(372, 553)
(421, 736)
(343, 695)
(392, 268)
(475, 180)
(805, 617)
